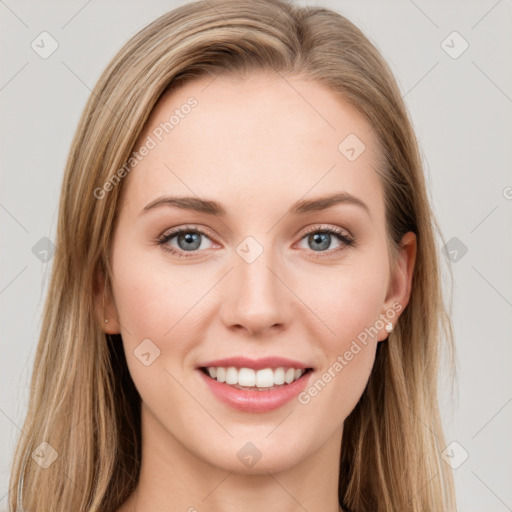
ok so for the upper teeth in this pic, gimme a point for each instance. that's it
(265, 378)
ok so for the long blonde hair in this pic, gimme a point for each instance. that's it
(83, 402)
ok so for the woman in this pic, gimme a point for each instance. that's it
(245, 311)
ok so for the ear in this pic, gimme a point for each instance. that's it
(105, 308)
(399, 289)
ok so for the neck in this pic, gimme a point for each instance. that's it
(172, 478)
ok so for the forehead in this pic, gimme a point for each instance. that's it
(263, 138)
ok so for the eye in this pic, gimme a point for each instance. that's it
(319, 239)
(190, 240)
(187, 240)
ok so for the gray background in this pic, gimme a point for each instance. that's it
(461, 109)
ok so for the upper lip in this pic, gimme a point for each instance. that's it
(255, 364)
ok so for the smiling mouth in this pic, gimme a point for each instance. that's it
(248, 379)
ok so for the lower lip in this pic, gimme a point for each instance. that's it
(255, 401)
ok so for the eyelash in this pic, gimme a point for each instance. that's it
(338, 233)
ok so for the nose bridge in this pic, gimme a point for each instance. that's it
(257, 297)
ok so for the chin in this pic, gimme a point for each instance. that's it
(258, 456)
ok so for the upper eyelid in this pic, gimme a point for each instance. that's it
(206, 231)
(187, 228)
(326, 227)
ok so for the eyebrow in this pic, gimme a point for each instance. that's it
(213, 208)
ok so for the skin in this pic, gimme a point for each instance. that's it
(256, 146)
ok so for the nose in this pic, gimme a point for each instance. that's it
(256, 299)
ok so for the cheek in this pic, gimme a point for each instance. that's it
(350, 305)
(151, 300)
(165, 305)
(348, 302)
(156, 316)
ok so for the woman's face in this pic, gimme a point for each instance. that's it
(256, 273)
